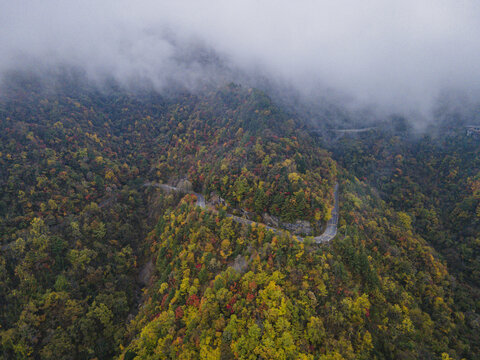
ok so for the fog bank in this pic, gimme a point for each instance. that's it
(394, 56)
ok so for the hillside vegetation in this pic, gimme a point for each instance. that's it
(94, 264)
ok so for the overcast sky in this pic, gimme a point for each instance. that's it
(398, 54)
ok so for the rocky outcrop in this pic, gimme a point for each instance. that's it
(185, 186)
(299, 227)
(239, 264)
(216, 200)
(270, 220)
(146, 273)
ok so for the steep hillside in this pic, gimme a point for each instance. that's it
(75, 211)
(221, 290)
(97, 263)
(434, 180)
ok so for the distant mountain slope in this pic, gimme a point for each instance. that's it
(434, 180)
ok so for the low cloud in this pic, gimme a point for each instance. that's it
(398, 56)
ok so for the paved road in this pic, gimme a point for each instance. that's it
(329, 233)
(331, 229)
(346, 131)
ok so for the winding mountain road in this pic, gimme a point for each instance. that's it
(331, 229)
(329, 233)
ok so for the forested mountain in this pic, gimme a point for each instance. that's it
(98, 262)
(434, 180)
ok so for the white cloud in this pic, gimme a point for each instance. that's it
(398, 55)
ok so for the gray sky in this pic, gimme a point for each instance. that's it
(396, 54)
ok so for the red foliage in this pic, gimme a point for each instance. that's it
(178, 313)
(193, 300)
(164, 300)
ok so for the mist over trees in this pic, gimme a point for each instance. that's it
(386, 58)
